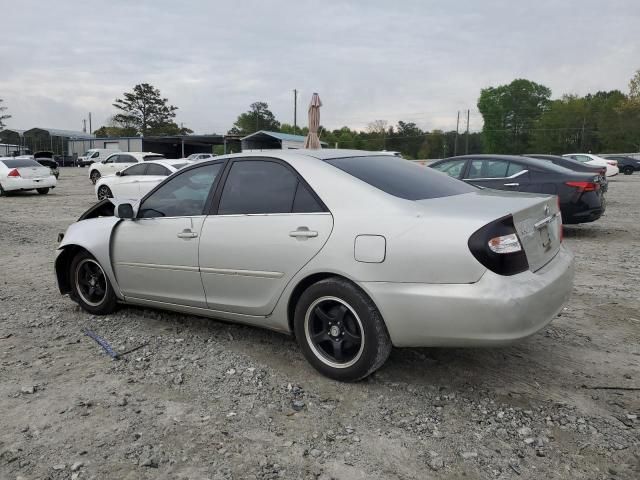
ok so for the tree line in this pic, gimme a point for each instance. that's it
(519, 117)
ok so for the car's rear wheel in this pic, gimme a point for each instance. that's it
(340, 330)
(627, 170)
(2, 191)
(90, 286)
(104, 192)
(95, 175)
(42, 191)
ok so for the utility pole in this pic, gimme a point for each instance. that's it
(295, 110)
(582, 135)
(84, 125)
(455, 142)
(466, 146)
(90, 129)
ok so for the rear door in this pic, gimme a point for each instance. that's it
(128, 184)
(266, 224)
(499, 174)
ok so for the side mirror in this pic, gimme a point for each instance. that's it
(125, 210)
(118, 174)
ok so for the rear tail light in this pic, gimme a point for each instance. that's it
(584, 186)
(14, 173)
(497, 247)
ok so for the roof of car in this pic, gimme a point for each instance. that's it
(533, 162)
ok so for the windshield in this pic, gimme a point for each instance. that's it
(19, 163)
(87, 153)
(401, 178)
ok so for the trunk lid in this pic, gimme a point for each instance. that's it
(536, 218)
(34, 172)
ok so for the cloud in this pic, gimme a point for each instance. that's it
(412, 60)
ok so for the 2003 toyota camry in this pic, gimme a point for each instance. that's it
(350, 251)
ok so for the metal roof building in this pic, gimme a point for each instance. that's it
(265, 140)
(36, 139)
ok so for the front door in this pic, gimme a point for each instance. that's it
(128, 184)
(155, 256)
(265, 227)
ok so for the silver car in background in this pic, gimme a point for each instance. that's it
(352, 252)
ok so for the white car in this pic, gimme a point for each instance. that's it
(94, 155)
(19, 174)
(200, 157)
(136, 181)
(590, 159)
(119, 161)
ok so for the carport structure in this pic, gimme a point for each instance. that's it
(51, 139)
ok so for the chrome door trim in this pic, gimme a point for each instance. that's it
(244, 273)
(182, 268)
(515, 175)
(265, 214)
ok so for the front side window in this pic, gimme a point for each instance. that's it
(135, 170)
(95, 155)
(401, 178)
(111, 159)
(258, 187)
(182, 196)
(452, 168)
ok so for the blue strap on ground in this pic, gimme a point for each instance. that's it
(102, 342)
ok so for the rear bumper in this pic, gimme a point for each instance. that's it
(16, 184)
(495, 310)
(588, 207)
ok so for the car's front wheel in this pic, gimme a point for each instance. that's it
(340, 330)
(95, 175)
(42, 191)
(104, 192)
(90, 286)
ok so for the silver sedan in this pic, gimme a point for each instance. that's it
(352, 252)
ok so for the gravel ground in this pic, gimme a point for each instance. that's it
(210, 400)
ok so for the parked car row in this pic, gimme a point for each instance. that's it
(626, 164)
(118, 161)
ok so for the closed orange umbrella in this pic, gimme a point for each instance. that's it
(313, 141)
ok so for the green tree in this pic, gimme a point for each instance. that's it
(146, 110)
(2, 115)
(113, 128)
(259, 117)
(509, 113)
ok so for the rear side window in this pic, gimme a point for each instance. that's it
(126, 159)
(452, 168)
(135, 170)
(515, 168)
(488, 169)
(401, 178)
(258, 187)
(155, 169)
(19, 163)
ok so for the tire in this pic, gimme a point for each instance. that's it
(42, 191)
(104, 192)
(627, 170)
(94, 176)
(340, 331)
(90, 287)
(2, 192)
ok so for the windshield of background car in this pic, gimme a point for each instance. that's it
(153, 157)
(19, 163)
(401, 178)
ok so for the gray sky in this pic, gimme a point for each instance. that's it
(409, 60)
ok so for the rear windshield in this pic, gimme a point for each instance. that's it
(401, 178)
(153, 157)
(19, 163)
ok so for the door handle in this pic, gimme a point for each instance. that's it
(511, 184)
(186, 233)
(303, 232)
